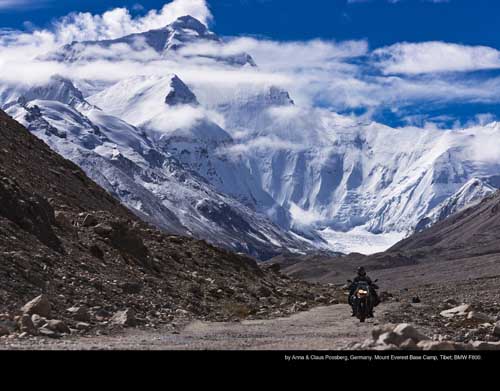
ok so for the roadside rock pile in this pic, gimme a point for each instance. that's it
(406, 337)
(465, 311)
(34, 320)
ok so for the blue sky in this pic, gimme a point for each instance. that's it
(421, 86)
(380, 21)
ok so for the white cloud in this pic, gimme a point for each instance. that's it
(23, 4)
(481, 146)
(119, 21)
(317, 72)
(432, 57)
(261, 143)
(110, 25)
(283, 55)
(18, 49)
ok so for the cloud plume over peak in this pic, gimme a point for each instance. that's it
(110, 25)
(119, 21)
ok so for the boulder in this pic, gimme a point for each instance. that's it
(124, 318)
(438, 345)
(45, 332)
(39, 305)
(80, 314)
(397, 335)
(461, 310)
(103, 230)
(407, 331)
(128, 240)
(31, 212)
(38, 321)
(63, 220)
(479, 317)
(264, 292)
(101, 314)
(389, 338)
(26, 325)
(409, 344)
(4, 331)
(320, 299)
(496, 329)
(379, 330)
(58, 326)
(7, 326)
(82, 326)
(90, 221)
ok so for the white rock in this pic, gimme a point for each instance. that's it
(461, 310)
(407, 331)
(124, 318)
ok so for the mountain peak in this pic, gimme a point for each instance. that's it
(57, 88)
(180, 94)
(181, 33)
(186, 29)
(187, 22)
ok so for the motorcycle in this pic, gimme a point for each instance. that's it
(361, 300)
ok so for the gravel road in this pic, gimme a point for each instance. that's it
(322, 328)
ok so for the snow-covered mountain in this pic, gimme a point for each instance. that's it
(57, 89)
(187, 133)
(341, 174)
(241, 164)
(167, 41)
(153, 183)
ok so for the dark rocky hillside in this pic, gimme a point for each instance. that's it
(63, 236)
(473, 232)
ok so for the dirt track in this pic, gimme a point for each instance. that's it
(323, 328)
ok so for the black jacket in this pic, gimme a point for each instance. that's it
(363, 278)
(357, 279)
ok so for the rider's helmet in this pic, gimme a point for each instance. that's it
(361, 271)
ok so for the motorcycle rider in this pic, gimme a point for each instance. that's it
(362, 276)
